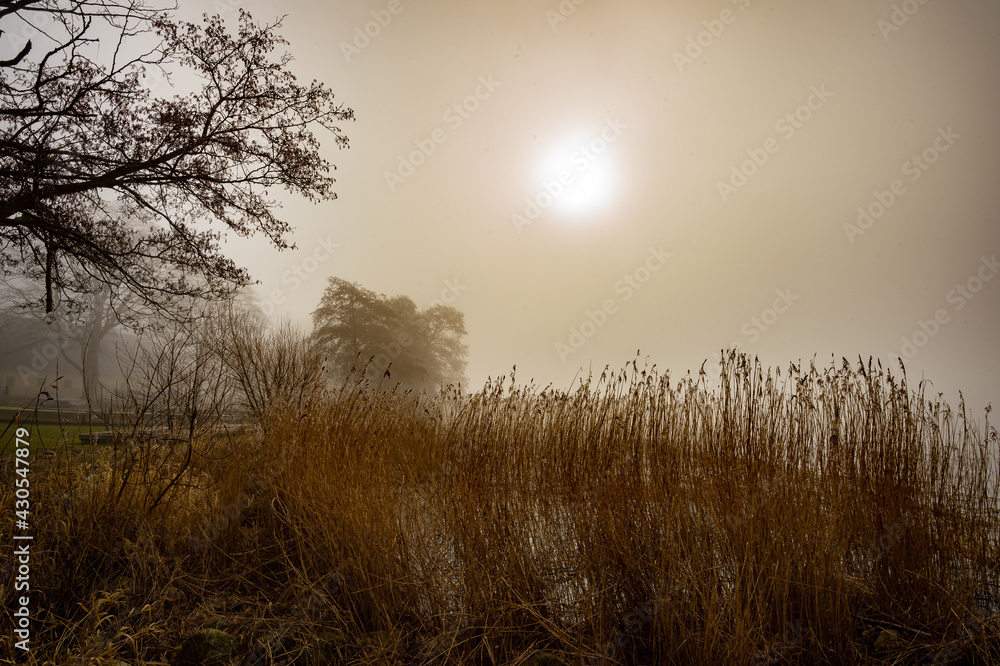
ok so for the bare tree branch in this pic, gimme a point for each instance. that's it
(102, 171)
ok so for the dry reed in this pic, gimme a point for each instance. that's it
(808, 516)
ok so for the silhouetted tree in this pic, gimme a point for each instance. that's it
(89, 333)
(103, 178)
(421, 349)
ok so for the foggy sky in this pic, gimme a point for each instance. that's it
(649, 107)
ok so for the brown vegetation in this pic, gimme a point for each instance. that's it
(807, 516)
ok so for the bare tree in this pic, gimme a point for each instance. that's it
(102, 178)
(267, 367)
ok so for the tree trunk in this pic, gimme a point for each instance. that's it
(102, 319)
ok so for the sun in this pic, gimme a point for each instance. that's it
(577, 176)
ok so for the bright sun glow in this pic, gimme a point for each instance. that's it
(577, 177)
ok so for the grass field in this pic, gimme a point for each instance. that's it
(50, 429)
(804, 516)
(47, 438)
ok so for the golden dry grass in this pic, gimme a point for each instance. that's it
(808, 516)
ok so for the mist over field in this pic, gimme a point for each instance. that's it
(543, 332)
(821, 175)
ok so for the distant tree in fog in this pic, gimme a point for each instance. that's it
(421, 349)
(79, 329)
(89, 332)
(104, 177)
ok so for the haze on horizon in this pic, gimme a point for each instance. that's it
(588, 179)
